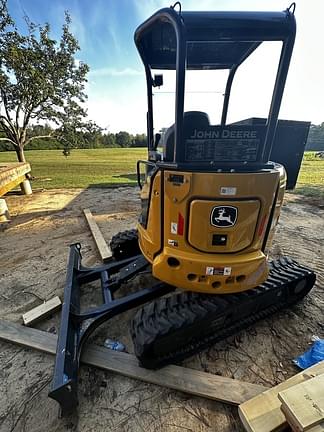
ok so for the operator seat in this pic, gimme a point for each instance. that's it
(196, 119)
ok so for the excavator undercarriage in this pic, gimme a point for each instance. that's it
(176, 326)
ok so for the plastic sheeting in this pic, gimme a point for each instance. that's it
(314, 355)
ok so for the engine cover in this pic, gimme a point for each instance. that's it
(222, 226)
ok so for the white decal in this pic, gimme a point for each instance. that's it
(224, 271)
(228, 190)
(174, 228)
(227, 271)
(223, 216)
(172, 242)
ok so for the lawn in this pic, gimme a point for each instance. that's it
(311, 176)
(100, 167)
(115, 166)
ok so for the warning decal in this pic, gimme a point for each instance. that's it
(174, 228)
(223, 271)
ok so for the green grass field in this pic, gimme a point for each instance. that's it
(112, 167)
(311, 176)
(83, 168)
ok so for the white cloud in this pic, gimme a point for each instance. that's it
(103, 72)
(115, 116)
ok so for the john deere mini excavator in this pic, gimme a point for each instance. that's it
(210, 203)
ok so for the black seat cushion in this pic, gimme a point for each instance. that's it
(197, 119)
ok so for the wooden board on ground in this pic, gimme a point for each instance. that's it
(263, 414)
(318, 428)
(294, 426)
(41, 311)
(103, 248)
(12, 174)
(179, 378)
(303, 404)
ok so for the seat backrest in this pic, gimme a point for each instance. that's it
(198, 119)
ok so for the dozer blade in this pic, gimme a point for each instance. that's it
(77, 324)
(176, 327)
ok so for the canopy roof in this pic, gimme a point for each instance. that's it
(215, 40)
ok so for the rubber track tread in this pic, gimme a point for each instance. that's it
(173, 328)
(125, 244)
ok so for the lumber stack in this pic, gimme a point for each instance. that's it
(303, 405)
(12, 174)
(297, 402)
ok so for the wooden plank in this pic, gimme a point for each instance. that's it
(9, 170)
(190, 381)
(294, 426)
(263, 414)
(304, 403)
(317, 428)
(11, 175)
(290, 419)
(103, 248)
(41, 311)
(7, 186)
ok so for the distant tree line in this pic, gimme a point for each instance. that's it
(91, 139)
(95, 138)
(315, 139)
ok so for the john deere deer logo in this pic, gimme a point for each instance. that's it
(223, 216)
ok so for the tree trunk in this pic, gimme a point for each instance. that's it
(25, 185)
(21, 158)
(20, 154)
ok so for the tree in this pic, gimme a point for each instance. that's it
(123, 139)
(140, 140)
(108, 140)
(92, 136)
(40, 81)
(315, 139)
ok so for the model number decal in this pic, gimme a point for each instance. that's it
(224, 271)
(228, 190)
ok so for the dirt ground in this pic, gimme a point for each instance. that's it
(33, 254)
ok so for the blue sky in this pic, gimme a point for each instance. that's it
(116, 85)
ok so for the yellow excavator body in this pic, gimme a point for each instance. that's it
(209, 232)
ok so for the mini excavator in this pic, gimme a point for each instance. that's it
(210, 203)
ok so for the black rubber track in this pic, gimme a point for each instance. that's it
(172, 328)
(125, 245)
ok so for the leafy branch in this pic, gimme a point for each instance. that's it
(41, 81)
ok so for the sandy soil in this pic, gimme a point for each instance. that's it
(33, 253)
